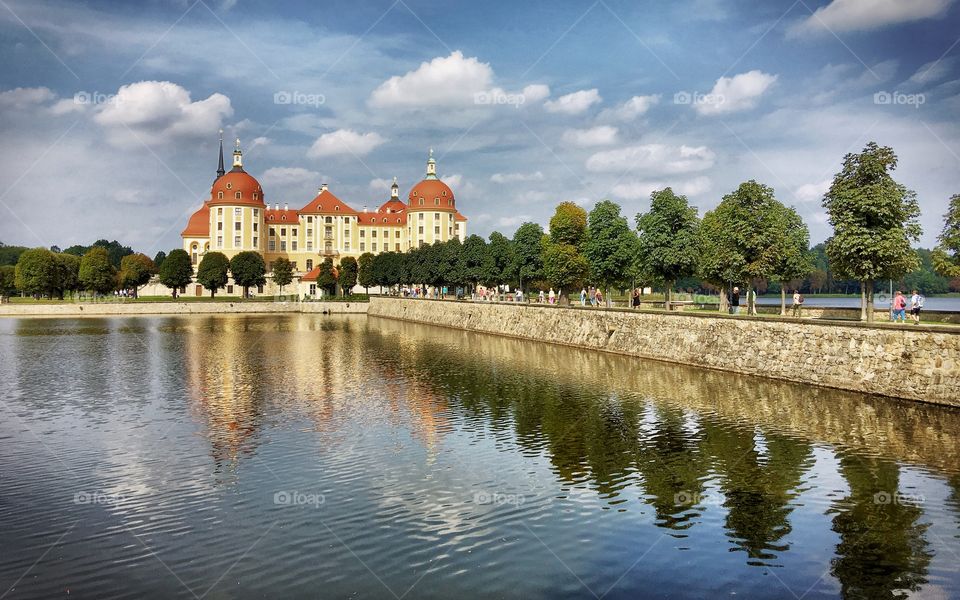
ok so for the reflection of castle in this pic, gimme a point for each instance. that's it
(236, 218)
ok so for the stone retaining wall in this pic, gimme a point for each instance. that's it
(81, 309)
(901, 362)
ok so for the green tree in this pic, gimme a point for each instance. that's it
(348, 274)
(610, 245)
(874, 219)
(212, 272)
(568, 225)
(68, 274)
(946, 256)
(499, 260)
(96, 271)
(365, 271)
(8, 278)
(564, 265)
(326, 277)
(248, 270)
(9, 255)
(159, 258)
(528, 254)
(36, 272)
(794, 261)
(472, 258)
(669, 240)
(451, 262)
(176, 272)
(282, 272)
(135, 271)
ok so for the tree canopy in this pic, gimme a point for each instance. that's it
(212, 273)
(176, 271)
(248, 270)
(669, 245)
(282, 272)
(96, 271)
(610, 245)
(946, 256)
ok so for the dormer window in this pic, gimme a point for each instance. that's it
(255, 195)
(421, 201)
(219, 195)
(238, 195)
(337, 207)
(436, 201)
(444, 192)
(229, 185)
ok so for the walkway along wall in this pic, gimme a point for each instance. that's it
(908, 362)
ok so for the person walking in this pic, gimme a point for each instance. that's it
(899, 308)
(735, 301)
(797, 304)
(553, 296)
(599, 298)
(636, 298)
(916, 305)
(583, 296)
(541, 299)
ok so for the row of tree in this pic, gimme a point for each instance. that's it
(749, 239)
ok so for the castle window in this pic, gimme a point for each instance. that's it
(373, 246)
(256, 213)
(271, 245)
(255, 195)
(444, 192)
(236, 241)
(421, 201)
(337, 207)
(238, 194)
(309, 219)
(254, 241)
(272, 232)
(283, 231)
(219, 241)
(220, 211)
(293, 245)
(255, 224)
(309, 264)
(329, 219)
(236, 225)
(436, 230)
(283, 246)
(397, 234)
(436, 201)
(346, 246)
(219, 195)
(229, 185)
(219, 225)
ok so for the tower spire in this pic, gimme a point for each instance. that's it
(220, 170)
(394, 190)
(237, 156)
(431, 166)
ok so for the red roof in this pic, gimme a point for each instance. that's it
(381, 219)
(325, 202)
(234, 182)
(430, 192)
(392, 205)
(315, 272)
(199, 223)
(281, 216)
(460, 217)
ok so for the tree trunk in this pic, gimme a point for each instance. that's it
(869, 301)
(783, 301)
(863, 301)
(750, 297)
(668, 294)
(724, 305)
(606, 296)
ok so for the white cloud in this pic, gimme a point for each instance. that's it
(736, 93)
(515, 177)
(812, 192)
(454, 180)
(601, 135)
(575, 103)
(378, 184)
(513, 221)
(19, 98)
(345, 141)
(289, 176)
(445, 80)
(535, 92)
(933, 71)
(635, 190)
(160, 111)
(862, 15)
(632, 108)
(652, 158)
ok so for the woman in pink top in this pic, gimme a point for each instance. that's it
(899, 308)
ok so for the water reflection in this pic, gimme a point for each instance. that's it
(201, 420)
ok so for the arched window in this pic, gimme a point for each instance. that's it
(238, 195)
(219, 195)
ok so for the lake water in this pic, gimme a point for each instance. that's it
(302, 456)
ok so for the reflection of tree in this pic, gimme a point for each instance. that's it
(882, 550)
(758, 487)
(673, 469)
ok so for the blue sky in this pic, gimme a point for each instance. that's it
(109, 111)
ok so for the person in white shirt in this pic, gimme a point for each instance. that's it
(916, 305)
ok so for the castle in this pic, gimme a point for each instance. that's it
(237, 217)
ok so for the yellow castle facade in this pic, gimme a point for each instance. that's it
(237, 217)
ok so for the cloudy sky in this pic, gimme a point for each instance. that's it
(109, 111)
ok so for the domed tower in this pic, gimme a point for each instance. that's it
(432, 210)
(236, 209)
